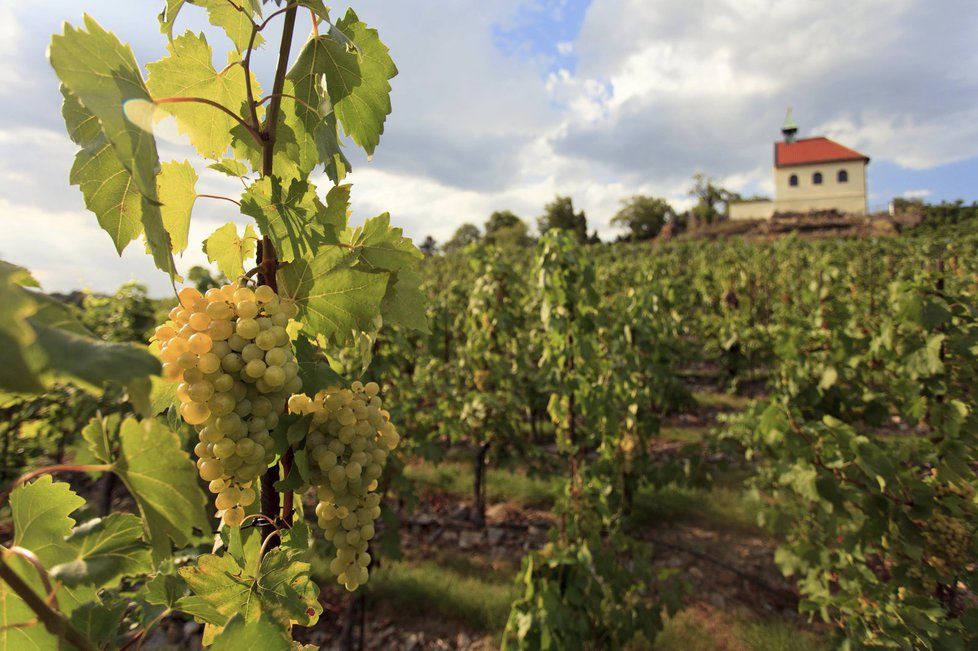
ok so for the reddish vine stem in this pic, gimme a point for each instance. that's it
(267, 260)
(203, 100)
(217, 196)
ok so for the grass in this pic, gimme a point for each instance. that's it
(503, 485)
(725, 507)
(683, 434)
(711, 630)
(720, 400)
(448, 587)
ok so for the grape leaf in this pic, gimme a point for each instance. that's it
(187, 71)
(221, 13)
(41, 342)
(287, 216)
(316, 7)
(40, 512)
(110, 191)
(18, 358)
(103, 74)
(104, 550)
(163, 480)
(333, 299)
(164, 590)
(259, 634)
(310, 117)
(382, 247)
(99, 623)
(404, 302)
(89, 361)
(177, 188)
(280, 589)
(314, 371)
(230, 167)
(235, 19)
(357, 81)
(337, 207)
(229, 251)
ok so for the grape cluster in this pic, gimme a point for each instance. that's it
(231, 354)
(349, 439)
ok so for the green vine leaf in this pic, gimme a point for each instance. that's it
(43, 343)
(177, 188)
(188, 72)
(41, 515)
(99, 623)
(308, 114)
(109, 189)
(334, 300)
(382, 247)
(287, 216)
(235, 23)
(358, 82)
(103, 74)
(280, 589)
(229, 251)
(163, 480)
(259, 634)
(230, 167)
(104, 550)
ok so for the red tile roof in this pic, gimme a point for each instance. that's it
(813, 150)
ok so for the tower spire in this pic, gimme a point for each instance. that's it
(789, 128)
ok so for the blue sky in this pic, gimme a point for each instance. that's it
(505, 103)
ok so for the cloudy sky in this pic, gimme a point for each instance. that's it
(505, 103)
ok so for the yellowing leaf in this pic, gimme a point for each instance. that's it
(188, 72)
(176, 185)
(229, 251)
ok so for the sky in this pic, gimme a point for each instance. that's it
(503, 104)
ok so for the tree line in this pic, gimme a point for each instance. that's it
(642, 217)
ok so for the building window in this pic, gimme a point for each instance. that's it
(817, 178)
(842, 176)
(793, 180)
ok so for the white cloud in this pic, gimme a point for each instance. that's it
(657, 92)
(916, 194)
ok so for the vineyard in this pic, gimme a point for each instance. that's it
(333, 440)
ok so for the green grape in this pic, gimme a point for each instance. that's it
(231, 388)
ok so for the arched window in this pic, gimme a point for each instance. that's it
(842, 176)
(793, 180)
(817, 178)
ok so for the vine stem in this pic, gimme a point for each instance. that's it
(217, 196)
(55, 622)
(203, 100)
(268, 262)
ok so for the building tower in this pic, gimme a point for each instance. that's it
(789, 128)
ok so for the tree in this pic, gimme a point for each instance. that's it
(203, 279)
(643, 216)
(429, 247)
(464, 235)
(559, 215)
(505, 229)
(711, 199)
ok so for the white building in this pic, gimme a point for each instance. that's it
(810, 174)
